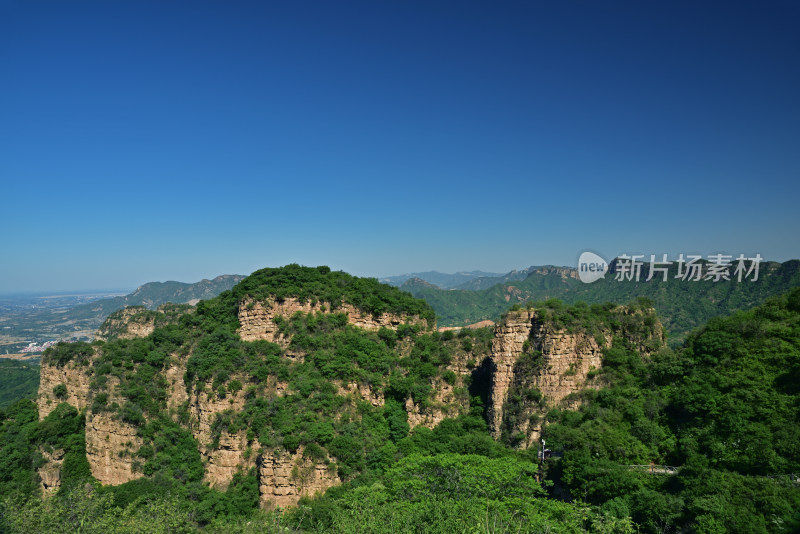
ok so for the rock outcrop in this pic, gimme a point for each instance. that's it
(231, 454)
(111, 446)
(50, 472)
(284, 478)
(257, 319)
(225, 455)
(128, 323)
(111, 443)
(73, 376)
(446, 403)
(137, 321)
(509, 337)
(536, 366)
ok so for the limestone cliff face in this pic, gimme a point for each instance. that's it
(536, 366)
(176, 387)
(73, 375)
(363, 392)
(127, 323)
(137, 321)
(509, 338)
(231, 454)
(111, 447)
(50, 472)
(227, 455)
(446, 403)
(111, 443)
(284, 478)
(257, 319)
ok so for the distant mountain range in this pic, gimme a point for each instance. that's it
(82, 321)
(682, 305)
(153, 294)
(470, 280)
(442, 280)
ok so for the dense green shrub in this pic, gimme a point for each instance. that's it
(62, 353)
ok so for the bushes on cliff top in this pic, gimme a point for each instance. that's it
(62, 353)
(321, 284)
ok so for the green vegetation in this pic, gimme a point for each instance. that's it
(18, 380)
(119, 322)
(323, 285)
(629, 330)
(62, 353)
(25, 440)
(681, 305)
(724, 409)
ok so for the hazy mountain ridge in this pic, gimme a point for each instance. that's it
(681, 304)
(441, 280)
(486, 282)
(153, 294)
(83, 320)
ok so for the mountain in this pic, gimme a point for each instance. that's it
(417, 284)
(682, 305)
(153, 294)
(442, 280)
(295, 382)
(485, 282)
(323, 402)
(81, 321)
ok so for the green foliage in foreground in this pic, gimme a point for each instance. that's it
(24, 440)
(725, 409)
(464, 494)
(18, 380)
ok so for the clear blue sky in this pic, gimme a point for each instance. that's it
(166, 140)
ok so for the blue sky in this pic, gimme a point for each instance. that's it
(167, 140)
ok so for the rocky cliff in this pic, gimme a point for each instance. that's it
(137, 321)
(258, 319)
(112, 443)
(74, 379)
(538, 364)
(283, 391)
(50, 471)
(284, 478)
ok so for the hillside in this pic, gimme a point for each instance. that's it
(486, 282)
(18, 380)
(313, 400)
(297, 381)
(682, 305)
(721, 411)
